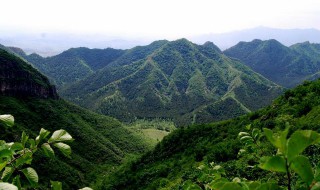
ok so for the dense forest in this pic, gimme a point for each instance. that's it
(169, 115)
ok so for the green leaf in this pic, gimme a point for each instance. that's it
(255, 133)
(16, 181)
(7, 119)
(301, 165)
(16, 146)
(24, 139)
(246, 139)
(60, 136)
(42, 135)
(25, 159)
(300, 140)
(253, 184)
(48, 151)
(31, 175)
(7, 174)
(241, 134)
(269, 186)
(32, 143)
(279, 140)
(56, 185)
(189, 185)
(7, 186)
(3, 164)
(217, 184)
(231, 185)
(274, 163)
(64, 148)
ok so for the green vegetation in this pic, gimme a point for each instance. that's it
(18, 77)
(177, 80)
(71, 65)
(14, 156)
(152, 130)
(174, 161)
(286, 66)
(287, 160)
(101, 142)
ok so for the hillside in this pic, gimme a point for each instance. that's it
(13, 75)
(286, 66)
(101, 142)
(180, 157)
(178, 80)
(71, 65)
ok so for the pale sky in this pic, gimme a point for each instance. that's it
(156, 18)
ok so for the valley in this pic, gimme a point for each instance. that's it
(150, 116)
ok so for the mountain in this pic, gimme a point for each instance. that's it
(182, 156)
(178, 80)
(13, 74)
(71, 65)
(48, 44)
(286, 66)
(101, 142)
(287, 37)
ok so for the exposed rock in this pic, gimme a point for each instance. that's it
(18, 78)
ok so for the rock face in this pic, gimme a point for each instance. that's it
(18, 78)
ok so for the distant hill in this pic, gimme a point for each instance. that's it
(286, 66)
(178, 80)
(100, 141)
(71, 65)
(287, 37)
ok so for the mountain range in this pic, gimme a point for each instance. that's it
(286, 66)
(48, 43)
(177, 80)
(174, 80)
(287, 37)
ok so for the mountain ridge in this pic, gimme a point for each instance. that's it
(165, 75)
(286, 66)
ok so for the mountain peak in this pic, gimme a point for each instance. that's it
(211, 45)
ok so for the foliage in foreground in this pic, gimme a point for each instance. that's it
(16, 156)
(300, 172)
(174, 160)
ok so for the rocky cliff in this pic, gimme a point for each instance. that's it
(18, 78)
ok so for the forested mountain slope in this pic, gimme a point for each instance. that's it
(71, 65)
(286, 66)
(101, 142)
(180, 158)
(178, 80)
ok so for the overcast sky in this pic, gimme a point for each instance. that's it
(156, 18)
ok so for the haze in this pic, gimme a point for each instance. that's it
(146, 20)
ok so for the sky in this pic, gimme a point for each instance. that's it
(156, 18)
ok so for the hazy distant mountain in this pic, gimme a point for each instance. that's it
(286, 66)
(71, 65)
(285, 36)
(49, 44)
(178, 80)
